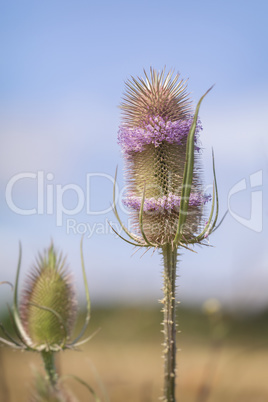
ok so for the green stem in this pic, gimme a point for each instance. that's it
(49, 363)
(169, 322)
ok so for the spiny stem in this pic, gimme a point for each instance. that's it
(169, 323)
(49, 363)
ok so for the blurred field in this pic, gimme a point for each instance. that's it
(123, 361)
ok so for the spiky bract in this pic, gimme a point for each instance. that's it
(48, 307)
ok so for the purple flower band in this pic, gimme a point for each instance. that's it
(168, 203)
(133, 139)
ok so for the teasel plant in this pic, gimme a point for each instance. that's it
(45, 318)
(159, 138)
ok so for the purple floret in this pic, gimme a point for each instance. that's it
(133, 139)
(167, 203)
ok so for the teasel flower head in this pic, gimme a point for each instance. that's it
(45, 317)
(48, 288)
(159, 138)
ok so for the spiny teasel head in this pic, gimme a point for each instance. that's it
(155, 95)
(45, 317)
(48, 306)
(156, 120)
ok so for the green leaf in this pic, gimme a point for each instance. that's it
(188, 175)
(25, 338)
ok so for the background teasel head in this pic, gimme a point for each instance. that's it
(157, 121)
(45, 318)
(48, 286)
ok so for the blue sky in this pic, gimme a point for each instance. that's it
(62, 72)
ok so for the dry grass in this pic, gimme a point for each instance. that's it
(125, 366)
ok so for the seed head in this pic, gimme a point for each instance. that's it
(48, 307)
